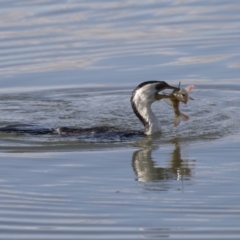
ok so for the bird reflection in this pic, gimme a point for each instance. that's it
(146, 170)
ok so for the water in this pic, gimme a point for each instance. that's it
(58, 43)
(75, 64)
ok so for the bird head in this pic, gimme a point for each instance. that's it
(148, 92)
(142, 97)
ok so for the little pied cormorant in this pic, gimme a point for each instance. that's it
(141, 100)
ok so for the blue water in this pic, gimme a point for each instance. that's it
(59, 43)
(179, 192)
(75, 63)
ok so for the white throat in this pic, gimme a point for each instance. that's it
(141, 103)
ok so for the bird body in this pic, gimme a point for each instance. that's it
(142, 98)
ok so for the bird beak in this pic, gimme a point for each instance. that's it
(158, 97)
(161, 96)
(171, 87)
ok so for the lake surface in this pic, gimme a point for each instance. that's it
(75, 64)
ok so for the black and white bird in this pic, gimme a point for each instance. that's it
(141, 100)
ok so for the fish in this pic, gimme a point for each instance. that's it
(183, 94)
(174, 99)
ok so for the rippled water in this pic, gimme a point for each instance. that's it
(75, 63)
(216, 106)
(46, 42)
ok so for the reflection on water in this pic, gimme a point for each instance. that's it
(93, 195)
(147, 170)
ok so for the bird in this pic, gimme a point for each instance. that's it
(141, 100)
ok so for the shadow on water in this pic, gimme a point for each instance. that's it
(147, 169)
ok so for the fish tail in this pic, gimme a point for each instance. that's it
(178, 119)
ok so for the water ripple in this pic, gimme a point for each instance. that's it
(50, 36)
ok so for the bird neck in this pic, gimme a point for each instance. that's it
(143, 111)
